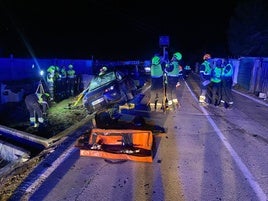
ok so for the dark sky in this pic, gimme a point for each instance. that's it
(112, 29)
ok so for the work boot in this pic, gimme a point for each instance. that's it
(35, 125)
(202, 99)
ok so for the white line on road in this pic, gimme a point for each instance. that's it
(251, 98)
(49, 171)
(252, 181)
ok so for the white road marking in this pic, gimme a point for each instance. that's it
(247, 174)
(49, 170)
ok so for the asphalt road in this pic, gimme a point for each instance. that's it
(207, 154)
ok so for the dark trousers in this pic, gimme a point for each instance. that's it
(172, 90)
(33, 106)
(216, 93)
(227, 95)
(156, 95)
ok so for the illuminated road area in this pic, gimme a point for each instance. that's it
(207, 153)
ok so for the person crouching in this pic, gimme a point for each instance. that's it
(37, 106)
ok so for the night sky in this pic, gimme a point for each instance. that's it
(112, 29)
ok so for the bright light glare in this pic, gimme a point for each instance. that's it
(41, 72)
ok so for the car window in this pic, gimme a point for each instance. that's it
(99, 81)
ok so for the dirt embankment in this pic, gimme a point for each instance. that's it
(15, 115)
(60, 116)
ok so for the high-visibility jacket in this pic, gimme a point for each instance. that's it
(50, 74)
(156, 67)
(205, 71)
(63, 73)
(176, 69)
(71, 73)
(228, 71)
(216, 74)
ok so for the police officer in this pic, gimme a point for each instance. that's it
(37, 106)
(205, 75)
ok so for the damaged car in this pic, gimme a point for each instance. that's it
(109, 90)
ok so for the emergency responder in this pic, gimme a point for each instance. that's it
(174, 72)
(103, 70)
(71, 80)
(227, 83)
(57, 84)
(205, 75)
(63, 73)
(216, 83)
(156, 73)
(37, 105)
(50, 80)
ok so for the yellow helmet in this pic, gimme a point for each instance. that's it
(177, 55)
(156, 60)
(104, 68)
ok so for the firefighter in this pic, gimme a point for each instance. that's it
(227, 83)
(37, 105)
(57, 84)
(103, 70)
(71, 80)
(205, 75)
(50, 80)
(174, 75)
(156, 73)
(63, 73)
(216, 83)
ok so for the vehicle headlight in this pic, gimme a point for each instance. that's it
(109, 89)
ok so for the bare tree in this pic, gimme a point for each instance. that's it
(248, 29)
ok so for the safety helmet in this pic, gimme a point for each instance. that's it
(104, 68)
(177, 55)
(156, 60)
(207, 56)
(51, 69)
(70, 66)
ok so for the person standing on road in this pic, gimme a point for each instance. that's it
(156, 73)
(174, 72)
(216, 83)
(205, 75)
(227, 83)
(37, 106)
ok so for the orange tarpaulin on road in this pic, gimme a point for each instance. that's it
(123, 144)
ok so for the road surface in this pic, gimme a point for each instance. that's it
(207, 153)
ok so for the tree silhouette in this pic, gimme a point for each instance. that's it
(248, 29)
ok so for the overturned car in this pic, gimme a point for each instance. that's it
(109, 90)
